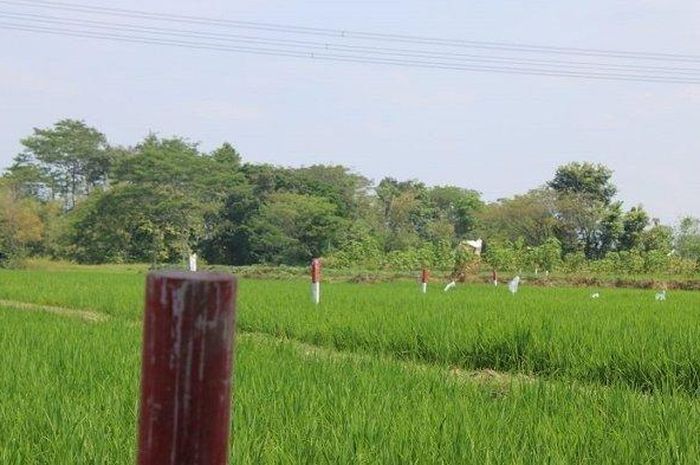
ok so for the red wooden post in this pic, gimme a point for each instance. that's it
(316, 280)
(188, 336)
(494, 277)
(316, 270)
(424, 278)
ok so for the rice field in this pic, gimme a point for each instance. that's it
(375, 374)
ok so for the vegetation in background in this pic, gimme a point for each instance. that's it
(71, 195)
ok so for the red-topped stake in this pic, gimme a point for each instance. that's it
(494, 277)
(316, 280)
(188, 336)
(424, 278)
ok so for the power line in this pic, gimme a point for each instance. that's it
(345, 34)
(382, 52)
(356, 58)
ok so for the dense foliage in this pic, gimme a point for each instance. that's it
(70, 194)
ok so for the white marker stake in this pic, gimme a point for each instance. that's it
(316, 280)
(424, 277)
(494, 277)
(193, 262)
(513, 285)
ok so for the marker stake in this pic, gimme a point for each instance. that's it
(316, 281)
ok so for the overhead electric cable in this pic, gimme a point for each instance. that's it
(342, 57)
(347, 34)
(326, 46)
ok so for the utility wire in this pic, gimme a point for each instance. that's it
(457, 57)
(350, 58)
(344, 34)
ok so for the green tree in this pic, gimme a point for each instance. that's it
(230, 238)
(293, 228)
(584, 180)
(20, 225)
(634, 223)
(688, 238)
(530, 217)
(134, 223)
(458, 206)
(71, 158)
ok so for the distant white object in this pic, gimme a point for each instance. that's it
(595, 295)
(546, 273)
(513, 285)
(450, 286)
(316, 292)
(661, 295)
(424, 287)
(316, 281)
(476, 245)
(671, 253)
(192, 266)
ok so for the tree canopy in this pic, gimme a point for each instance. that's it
(70, 194)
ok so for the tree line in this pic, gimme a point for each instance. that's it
(71, 195)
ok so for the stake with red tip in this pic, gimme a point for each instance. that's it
(424, 278)
(316, 280)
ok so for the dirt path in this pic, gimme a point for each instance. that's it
(495, 379)
(87, 315)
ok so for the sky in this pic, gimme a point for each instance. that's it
(498, 134)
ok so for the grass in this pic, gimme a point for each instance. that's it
(72, 399)
(625, 337)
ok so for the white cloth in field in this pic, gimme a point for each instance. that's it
(513, 285)
(450, 286)
(661, 295)
(476, 245)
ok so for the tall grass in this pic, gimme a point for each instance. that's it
(625, 337)
(69, 393)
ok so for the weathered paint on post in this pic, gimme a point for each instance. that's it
(316, 280)
(424, 278)
(186, 372)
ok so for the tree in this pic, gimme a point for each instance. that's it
(588, 220)
(578, 224)
(634, 222)
(20, 224)
(406, 212)
(530, 217)
(658, 237)
(134, 223)
(230, 238)
(176, 165)
(458, 206)
(688, 238)
(293, 228)
(338, 184)
(72, 158)
(585, 180)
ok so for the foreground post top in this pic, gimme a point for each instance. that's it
(206, 276)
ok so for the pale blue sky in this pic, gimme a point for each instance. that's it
(499, 134)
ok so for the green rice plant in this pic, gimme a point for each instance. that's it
(70, 389)
(625, 337)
